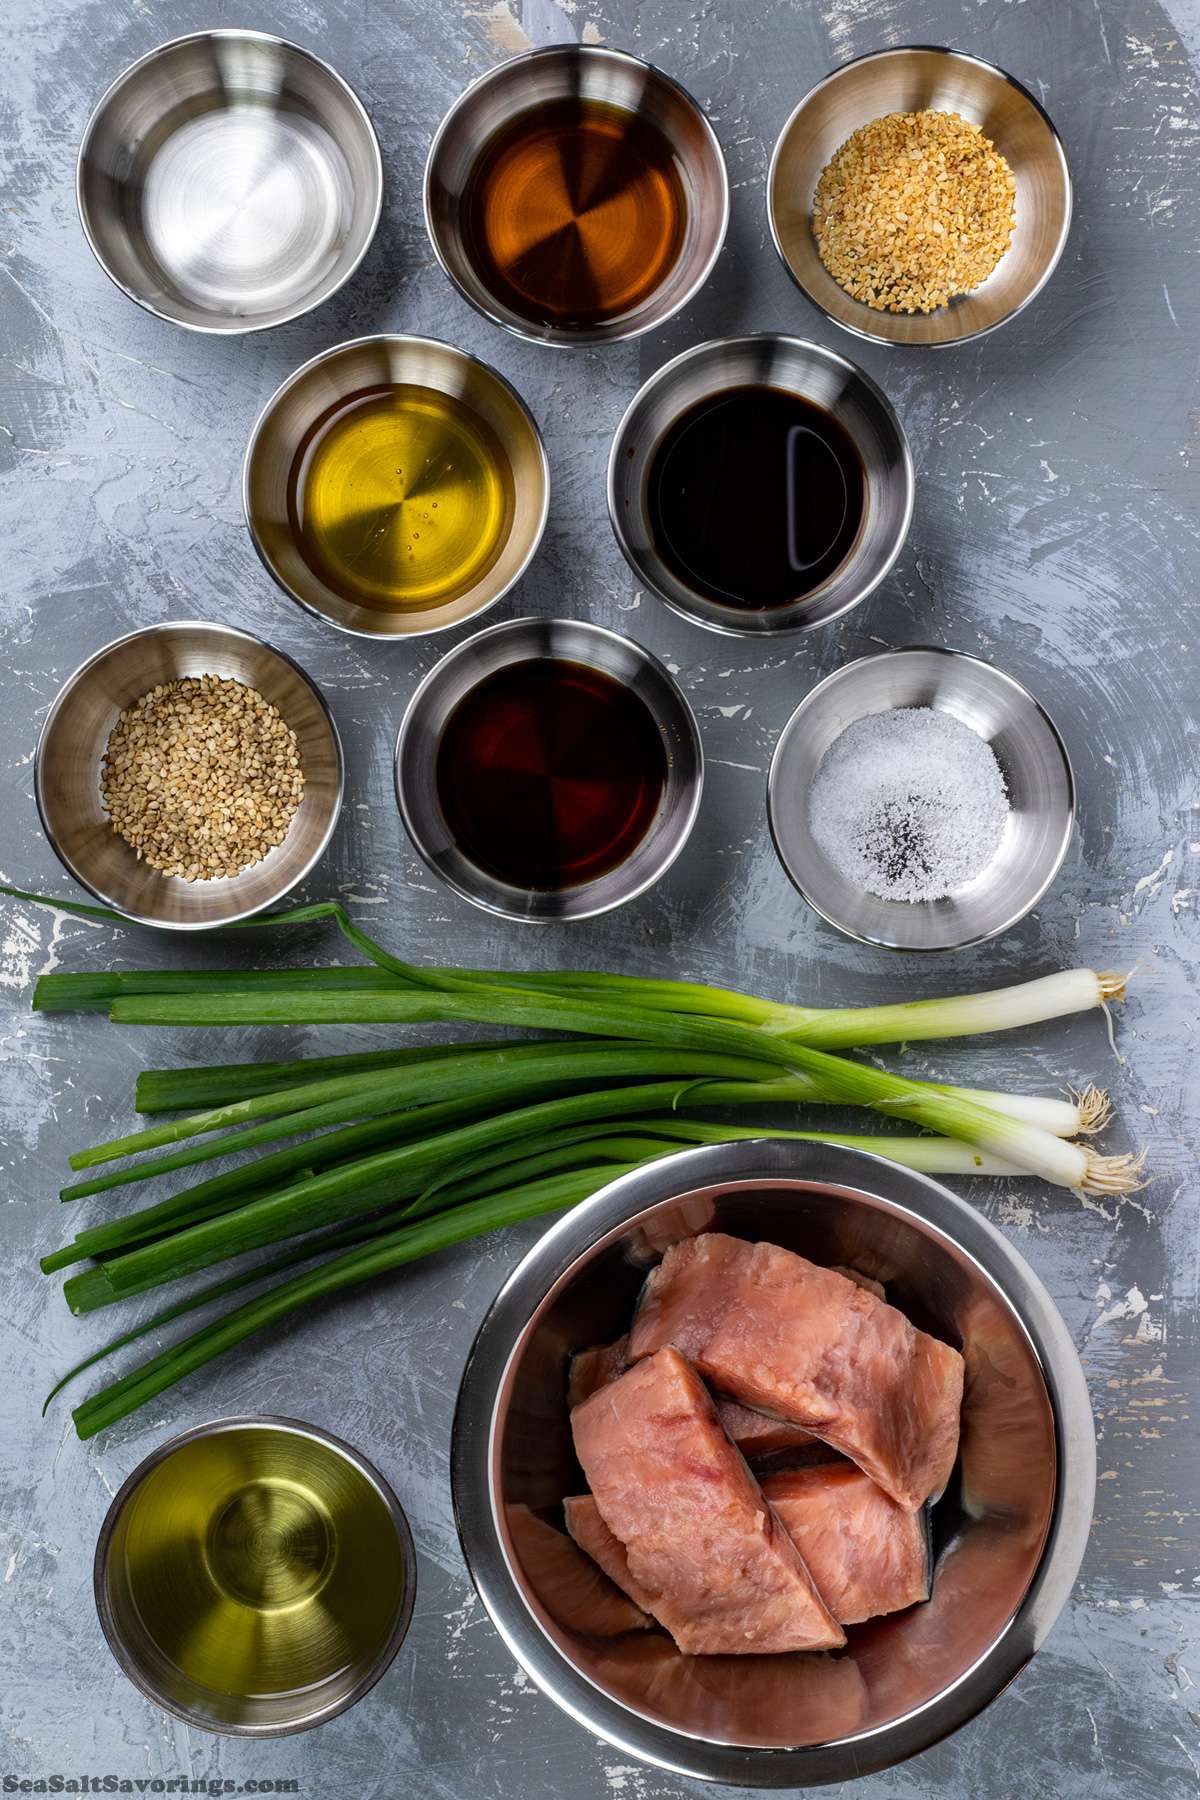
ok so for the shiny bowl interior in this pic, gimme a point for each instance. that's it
(815, 374)
(1008, 1534)
(371, 363)
(255, 1577)
(229, 180)
(522, 640)
(915, 79)
(74, 738)
(587, 72)
(1033, 761)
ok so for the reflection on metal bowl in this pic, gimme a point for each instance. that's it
(229, 181)
(1009, 1532)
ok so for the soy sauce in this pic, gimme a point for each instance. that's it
(574, 213)
(549, 773)
(755, 497)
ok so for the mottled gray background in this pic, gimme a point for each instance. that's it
(1055, 533)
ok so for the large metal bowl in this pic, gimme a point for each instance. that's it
(1033, 761)
(917, 78)
(814, 374)
(578, 72)
(75, 735)
(229, 180)
(380, 362)
(1008, 1534)
(524, 640)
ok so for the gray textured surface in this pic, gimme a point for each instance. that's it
(1055, 533)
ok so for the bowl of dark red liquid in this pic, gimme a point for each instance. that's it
(548, 769)
(1007, 1534)
(760, 484)
(576, 195)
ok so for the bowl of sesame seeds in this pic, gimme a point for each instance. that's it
(919, 196)
(189, 775)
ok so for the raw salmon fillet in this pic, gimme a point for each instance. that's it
(866, 1554)
(567, 1583)
(717, 1568)
(803, 1342)
(593, 1536)
(754, 1433)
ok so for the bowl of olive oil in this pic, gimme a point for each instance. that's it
(576, 195)
(395, 486)
(255, 1576)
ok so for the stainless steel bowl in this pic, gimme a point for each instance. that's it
(1032, 759)
(815, 374)
(914, 79)
(255, 1577)
(522, 640)
(586, 72)
(75, 735)
(229, 181)
(376, 362)
(1008, 1535)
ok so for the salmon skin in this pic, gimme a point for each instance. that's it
(866, 1554)
(806, 1344)
(714, 1564)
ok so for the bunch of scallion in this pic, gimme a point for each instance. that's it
(397, 1152)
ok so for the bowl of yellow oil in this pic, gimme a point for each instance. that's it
(255, 1576)
(395, 486)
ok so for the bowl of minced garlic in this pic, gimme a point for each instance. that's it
(189, 775)
(919, 196)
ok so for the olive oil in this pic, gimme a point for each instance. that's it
(574, 213)
(255, 1563)
(755, 497)
(401, 498)
(550, 773)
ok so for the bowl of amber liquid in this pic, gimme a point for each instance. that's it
(395, 486)
(255, 1577)
(576, 195)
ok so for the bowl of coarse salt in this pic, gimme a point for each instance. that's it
(921, 800)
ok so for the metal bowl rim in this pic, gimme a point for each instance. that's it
(1053, 260)
(170, 627)
(234, 328)
(860, 1174)
(305, 369)
(648, 660)
(1002, 677)
(292, 1428)
(578, 339)
(822, 352)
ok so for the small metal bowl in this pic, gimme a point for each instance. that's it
(255, 1577)
(229, 181)
(1008, 1534)
(1032, 759)
(74, 738)
(524, 640)
(378, 362)
(815, 374)
(578, 72)
(918, 78)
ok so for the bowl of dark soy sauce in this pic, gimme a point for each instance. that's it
(760, 484)
(547, 769)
